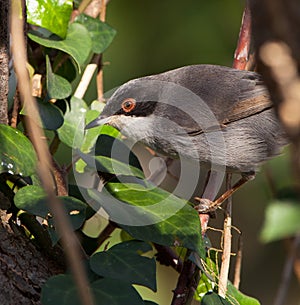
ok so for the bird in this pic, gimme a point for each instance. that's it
(215, 115)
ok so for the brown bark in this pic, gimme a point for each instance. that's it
(4, 60)
(23, 268)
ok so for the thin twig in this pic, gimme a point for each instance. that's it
(238, 263)
(282, 291)
(224, 270)
(32, 119)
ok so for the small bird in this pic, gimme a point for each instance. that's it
(212, 114)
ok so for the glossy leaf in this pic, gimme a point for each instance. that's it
(31, 198)
(61, 289)
(101, 33)
(214, 299)
(72, 131)
(236, 297)
(136, 269)
(57, 86)
(51, 116)
(151, 214)
(77, 35)
(53, 15)
(281, 220)
(17, 155)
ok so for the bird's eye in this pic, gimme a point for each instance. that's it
(128, 104)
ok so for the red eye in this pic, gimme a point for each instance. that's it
(128, 104)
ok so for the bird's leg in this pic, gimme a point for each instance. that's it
(207, 206)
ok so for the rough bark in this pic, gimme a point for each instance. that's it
(23, 268)
(4, 59)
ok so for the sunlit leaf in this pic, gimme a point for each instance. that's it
(72, 131)
(149, 213)
(236, 297)
(53, 15)
(17, 155)
(77, 35)
(31, 198)
(281, 220)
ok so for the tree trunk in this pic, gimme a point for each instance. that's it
(23, 268)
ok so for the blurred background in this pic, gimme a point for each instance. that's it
(159, 35)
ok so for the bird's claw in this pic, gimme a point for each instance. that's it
(205, 205)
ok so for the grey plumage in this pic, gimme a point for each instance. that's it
(209, 113)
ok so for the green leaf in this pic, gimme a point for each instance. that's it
(51, 116)
(72, 131)
(151, 214)
(16, 151)
(61, 289)
(214, 299)
(77, 35)
(112, 147)
(136, 269)
(76, 210)
(235, 297)
(281, 220)
(53, 15)
(115, 292)
(110, 155)
(57, 86)
(102, 34)
(32, 199)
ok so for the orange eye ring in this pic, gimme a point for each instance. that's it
(128, 104)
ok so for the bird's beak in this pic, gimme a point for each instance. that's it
(98, 122)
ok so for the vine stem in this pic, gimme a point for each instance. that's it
(69, 240)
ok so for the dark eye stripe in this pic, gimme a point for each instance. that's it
(140, 109)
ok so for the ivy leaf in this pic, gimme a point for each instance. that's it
(115, 292)
(101, 33)
(214, 299)
(57, 86)
(136, 269)
(16, 151)
(151, 214)
(236, 297)
(51, 116)
(77, 35)
(33, 199)
(60, 289)
(281, 220)
(53, 15)
(72, 131)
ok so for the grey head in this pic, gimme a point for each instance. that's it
(173, 112)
